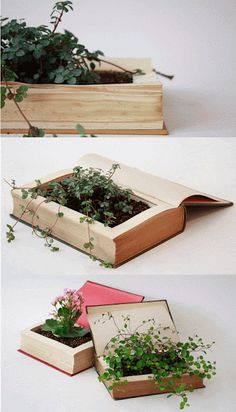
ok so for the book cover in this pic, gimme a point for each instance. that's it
(96, 294)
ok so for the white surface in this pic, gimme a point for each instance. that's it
(203, 305)
(208, 244)
(195, 40)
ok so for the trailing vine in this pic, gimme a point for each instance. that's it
(149, 351)
(45, 233)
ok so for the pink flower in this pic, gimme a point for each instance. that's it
(71, 299)
(66, 291)
(57, 299)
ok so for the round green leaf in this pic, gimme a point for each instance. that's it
(59, 79)
(20, 53)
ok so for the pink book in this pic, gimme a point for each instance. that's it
(96, 294)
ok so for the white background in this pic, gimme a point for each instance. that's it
(208, 244)
(193, 39)
(205, 306)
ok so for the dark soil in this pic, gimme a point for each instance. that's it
(127, 372)
(113, 77)
(121, 217)
(72, 342)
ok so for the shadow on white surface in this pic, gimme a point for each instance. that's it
(196, 213)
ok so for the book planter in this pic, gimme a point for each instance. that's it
(103, 332)
(60, 356)
(56, 354)
(163, 218)
(132, 108)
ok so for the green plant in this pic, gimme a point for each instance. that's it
(67, 309)
(149, 351)
(43, 55)
(92, 192)
(39, 55)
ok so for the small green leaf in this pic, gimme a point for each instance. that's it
(55, 249)
(49, 325)
(24, 194)
(80, 129)
(59, 79)
(19, 98)
(80, 331)
(20, 53)
(22, 89)
(71, 80)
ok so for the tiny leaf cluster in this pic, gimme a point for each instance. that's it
(67, 309)
(151, 352)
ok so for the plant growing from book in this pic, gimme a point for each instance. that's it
(91, 192)
(67, 308)
(146, 350)
(43, 55)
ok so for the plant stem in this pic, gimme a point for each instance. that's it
(49, 230)
(89, 236)
(6, 181)
(54, 224)
(23, 115)
(58, 21)
(22, 214)
(16, 187)
(37, 208)
(168, 76)
(17, 105)
(116, 65)
(31, 127)
(85, 63)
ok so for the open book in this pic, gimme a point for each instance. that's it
(165, 217)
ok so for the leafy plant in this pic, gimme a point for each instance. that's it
(67, 309)
(151, 352)
(43, 55)
(90, 191)
(30, 55)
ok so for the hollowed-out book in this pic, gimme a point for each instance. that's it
(59, 354)
(163, 216)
